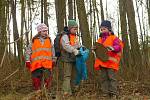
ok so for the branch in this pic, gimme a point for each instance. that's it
(10, 75)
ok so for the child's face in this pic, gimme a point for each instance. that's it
(74, 30)
(44, 33)
(104, 29)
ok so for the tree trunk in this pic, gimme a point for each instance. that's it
(60, 14)
(15, 28)
(126, 51)
(145, 43)
(8, 26)
(42, 4)
(45, 13)
(29, 17)
(102, 11)
(74, 7)
(70, 4)
(91, 19)
(22, 23)
(94, 23)
(86, 39)
(3, 33)
(148, 9)
(135, 48)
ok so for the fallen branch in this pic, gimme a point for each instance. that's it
(9, 76)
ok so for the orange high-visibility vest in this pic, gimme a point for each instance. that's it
(41, 54)
(73, 39)
(114, 58)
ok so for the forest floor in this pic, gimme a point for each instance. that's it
(20, 88)
(15, 84)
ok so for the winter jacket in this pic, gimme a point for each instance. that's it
(68, 44)
(114, 56)
(40, 53)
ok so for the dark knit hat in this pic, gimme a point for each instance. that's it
(107, 24)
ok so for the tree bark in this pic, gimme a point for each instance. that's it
(3, 22)
(135, 48)
(102, 11)
(15, 28)
(60, 14)
(74, 7)
(45, 13)
(42, 4)
(70, 4)
(148, 9)
(126, 51)
(22, 23)
(86, 39)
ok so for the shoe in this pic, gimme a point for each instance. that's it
(105, 95)
(113, 96)
(66, 94)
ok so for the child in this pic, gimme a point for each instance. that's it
(39, 58)
(69, 50)
(110, 67)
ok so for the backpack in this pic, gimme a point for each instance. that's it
(57, 42)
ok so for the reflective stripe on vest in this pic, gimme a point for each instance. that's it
(41, 57)
(114, 59)
(42, 49)
(41, 54)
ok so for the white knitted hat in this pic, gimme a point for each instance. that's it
(42, 27)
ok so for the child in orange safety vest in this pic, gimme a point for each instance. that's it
(110, 67)
(38, 56)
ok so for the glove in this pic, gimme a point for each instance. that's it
(77, 52)
(110, 48)
(28, 64)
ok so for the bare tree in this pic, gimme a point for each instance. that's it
(70, 4)
(135, 48)
(60, 14)
(3, 22)
(102, 11)
(46, 12)
(83, 23)
(15, 29)
(148, 9)
(126, 52)
(42, 11)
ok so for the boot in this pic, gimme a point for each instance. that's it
(36, 83)
(48, 82)
(113, 96)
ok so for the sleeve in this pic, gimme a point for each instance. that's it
(28, 52)
(66, 44)
(116, 45)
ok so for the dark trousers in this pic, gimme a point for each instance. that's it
(109, 82)
(41, 77)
